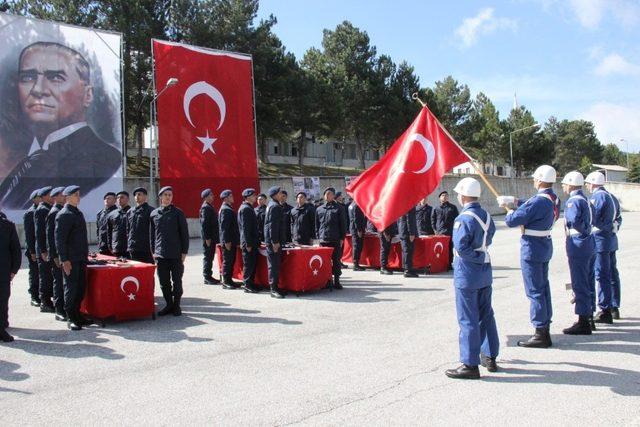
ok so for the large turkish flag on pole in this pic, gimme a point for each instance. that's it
(408, 172)
(206, 124)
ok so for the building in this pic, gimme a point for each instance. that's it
(613, 173)
(488, 169)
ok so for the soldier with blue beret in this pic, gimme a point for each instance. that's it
(138, 221)
(56, 267)
(229, 238)
(102, 223)
(210, 235)
(29, 225)
(331, 229)
(249, 242)
(303, 220)
(44, 261)
(357, 228)
(117, 224)
(10, 260)
(274, 239)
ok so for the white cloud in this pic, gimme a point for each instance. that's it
(590, 13)
(616, 64)
(482, 24)
(614, 122)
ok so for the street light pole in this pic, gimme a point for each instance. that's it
(536, 125)
(154, 135)
(627, 149)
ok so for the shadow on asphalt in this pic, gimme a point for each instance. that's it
(353, 292)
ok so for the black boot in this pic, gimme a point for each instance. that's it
(540, 339)
(615, 313)
(356, 267)
(464, 372)
(489, 363)
(276, 293)
(211, 281)
(581, 327)
(336, 283)
(604, 317)
(4, 336)
(385, 271)
(61, 315)
(177, 311)
(410, 274)
(169, 300)
(592, 323)
(250, 288)
(35, 302)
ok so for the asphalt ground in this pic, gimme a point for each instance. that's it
(371, 354)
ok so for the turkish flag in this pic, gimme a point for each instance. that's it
(206, 123)
(408, 172)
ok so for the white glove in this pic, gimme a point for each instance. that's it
(506, 201)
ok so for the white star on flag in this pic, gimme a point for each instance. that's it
(207, 143)
(132, 297)
(315, 272)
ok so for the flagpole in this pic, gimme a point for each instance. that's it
(472, 161)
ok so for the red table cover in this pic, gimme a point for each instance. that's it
(429, 252)
(123, 291)
(303, 268)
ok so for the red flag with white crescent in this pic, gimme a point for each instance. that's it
(206, 124)
(411, 169)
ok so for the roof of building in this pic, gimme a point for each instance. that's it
(612, 168)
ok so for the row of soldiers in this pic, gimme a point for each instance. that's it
(591, 226)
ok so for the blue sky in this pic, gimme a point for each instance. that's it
(567, 58)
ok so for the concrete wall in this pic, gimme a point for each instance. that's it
(627, 193)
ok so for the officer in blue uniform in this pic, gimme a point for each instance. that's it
(303, 223)
(229, 238)
(331, 228)
(72, 245)
(580, 246)
(274, 238)
(615, 274)
(30, 248)
(386, 236)
(357, 228)
(260, 211)
(473, 232)
(249, 243)
(604, 231)
(102, 223)
(138, 221)
(10, 259)
(286, 211)
(44, 261)
(408, 230)
(117, 222)
(210, 234)
(536, 217)
(56, 267)
(169, 241)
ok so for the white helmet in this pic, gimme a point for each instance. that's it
(545, 173)
(573, 178)
(596, 178)
(468, 187)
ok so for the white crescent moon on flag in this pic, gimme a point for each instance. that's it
(438, 245)
(313, 258)
(204, 88)
(429, 152)
(127, 280)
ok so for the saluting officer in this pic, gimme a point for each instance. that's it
(229, 238)
(169, 240)
(536, 217)
(10, 259)
(73, 249)
(274, 238)
(605, 212)
(44, 262)
(102, 223)
(29, 225)
(260, 211)
(580, 246)
(442, 219)
(408, 230)
(385, 246)
(303, 226)
(357, 228)
(248, 225)
(331, 228)
(56, 267)
(210, 235)
(286, 216)
(473, 232)
(117, 222)
(138, 221)
(423, 216)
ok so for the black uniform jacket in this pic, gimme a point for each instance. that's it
(71, 235)
(168, 233)
(331, 222)
(248, 224)
(138, 220)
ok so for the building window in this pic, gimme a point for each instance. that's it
(294, 151)
(275, 148)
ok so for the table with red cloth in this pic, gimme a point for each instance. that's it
(302, 268)
(429, 252)
(119, 290)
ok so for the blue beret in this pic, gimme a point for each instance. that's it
(273, 191)
(163, 189)
(139, 190)
(443, 192)
(248, 192)
(262, 195)
(333, 190)
(339, 193)
(56, 191)
(304, 193)
(110, 193)
(225, 193)
(70, 190)
(122, 192)
(34, 194)
(205, 193)
(44, 191)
